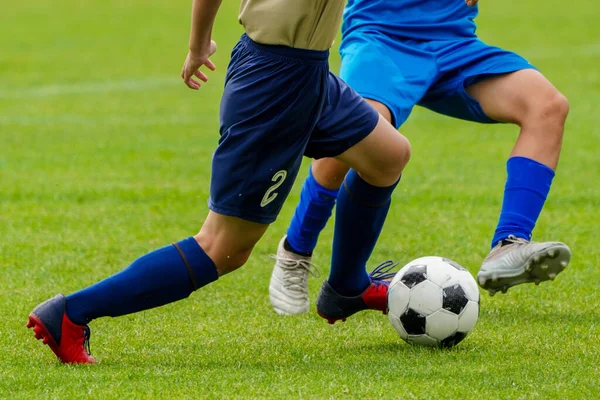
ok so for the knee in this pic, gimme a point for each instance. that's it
(556, 108)
(233, 260)
(550, 111)
(388, 168)
(405, 152)
(401, 158)
(227, 258)
(329, 172)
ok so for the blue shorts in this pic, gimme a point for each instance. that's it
(400, 72)
(279, 104)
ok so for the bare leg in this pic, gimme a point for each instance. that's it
(289, 282)
(228, 241)
(381, 157)
(363, 201)
(329, 172)
(528, 99)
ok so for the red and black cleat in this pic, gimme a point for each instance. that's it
(70, 342)
(334, 307)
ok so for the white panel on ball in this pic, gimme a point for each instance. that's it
(441, 324)
(423, 261)
(468, 317)
(397, 324)
(425, 298)
(398, 296)
(439, 272)
(423, 340)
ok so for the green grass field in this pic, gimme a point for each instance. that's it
(105, 155)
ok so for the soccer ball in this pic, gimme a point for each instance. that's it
(433, 301)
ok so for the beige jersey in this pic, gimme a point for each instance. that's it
(305, 24)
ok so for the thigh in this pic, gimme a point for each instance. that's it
(463, 64)
(353, 131)
(394, 72)
(509, 97)
(346, 119)
(269, 108)
(330, 172)
(381, 156)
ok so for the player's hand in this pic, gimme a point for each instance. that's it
(471, 3)
(192, 64)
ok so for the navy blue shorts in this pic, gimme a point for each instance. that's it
(279, 104)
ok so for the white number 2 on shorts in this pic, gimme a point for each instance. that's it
(269, 196)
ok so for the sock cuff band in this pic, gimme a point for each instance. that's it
(365, 193)
(201, 268)
(517, 164)
(187, 265)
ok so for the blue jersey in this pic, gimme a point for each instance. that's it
(412, 19)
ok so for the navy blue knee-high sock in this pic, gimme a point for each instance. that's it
(360, 214)
(163, 276)
(311, 215)
(527, 187)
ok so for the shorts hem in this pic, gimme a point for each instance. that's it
(388, 104)
(471, 79)
(493, 71)
(348, 143)
(230, 212)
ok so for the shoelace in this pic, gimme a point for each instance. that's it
(514, 239)
(381, 274)
(297, 271)
(86, 339)
(511, 239)
(382, 271)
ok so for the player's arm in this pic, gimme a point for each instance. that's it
(471, 3)
(201, 45)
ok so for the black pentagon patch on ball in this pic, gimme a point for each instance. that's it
(453, 340)
(415, 275)
(454, 299)
(413, 322)
(454, 264)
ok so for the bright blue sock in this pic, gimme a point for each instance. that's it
(526, 189)
(163, 276)
(360, 214)
(311, 215)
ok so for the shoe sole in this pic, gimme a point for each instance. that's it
(333, 320)
(281, 303)
(41, 333)
(286, 312)
(540, 267)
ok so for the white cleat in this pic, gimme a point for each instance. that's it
(288, 289)
(520, 261)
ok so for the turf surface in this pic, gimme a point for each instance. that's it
(105, 155)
